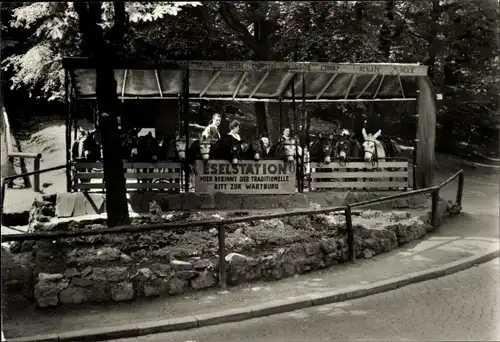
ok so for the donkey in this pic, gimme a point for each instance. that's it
(226, 148)
(375, 149)
(253, 150)
(284, 150)
(347, 148)
(321, 150)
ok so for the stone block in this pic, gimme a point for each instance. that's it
(116, 274)
(122, 291)
(187, 201)
(74, 295)
(65, 204)
(47, 289)
(176, 286)
(99, 292)
(203, 281)
(77, 281)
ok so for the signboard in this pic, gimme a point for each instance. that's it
(317, 67)
(247, 177)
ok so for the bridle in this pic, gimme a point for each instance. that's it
(342, 141)
(203, 151)
(374, 154)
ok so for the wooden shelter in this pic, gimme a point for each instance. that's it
(270, 81)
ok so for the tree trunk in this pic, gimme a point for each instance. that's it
(432, 41)
(261, 34)
(386, 32)
(107, 100)
(426, 133)
(107, 104)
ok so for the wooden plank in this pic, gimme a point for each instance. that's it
(129, 175)
(127, 165)
(371, 185)
(361, 165)
(359, 174)
(87, 186)
(88, 165)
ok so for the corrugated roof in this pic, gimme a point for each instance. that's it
(254, 81)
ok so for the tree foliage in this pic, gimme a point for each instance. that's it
(457, 39)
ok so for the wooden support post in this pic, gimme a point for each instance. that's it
(2, 197)
(222, 256)
(68, 131)
(435, 209)
(460, 189)
(350, 234)
(281, 116)
(187, 169)
(36, 176)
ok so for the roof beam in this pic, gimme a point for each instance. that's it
(366, 86)
(253, 99)
(124, 83)
(325, 87)
(378, 87)
(353, 78)
(240, 82)
(287, 85)
(158, 83)
(401, 86)
(212, 80)
(257, 86)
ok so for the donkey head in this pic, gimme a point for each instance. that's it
(369, 145)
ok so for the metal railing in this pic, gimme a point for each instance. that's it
(22, 155)
(34, 173)
(221, 223)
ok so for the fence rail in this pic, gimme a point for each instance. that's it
(21, 155)
(34, 173)
(221, 223)
(391, 174)
(168, 172)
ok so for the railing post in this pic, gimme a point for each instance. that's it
(460, 189)
(2, 196)
(222, 256)
(350, 234)
(36, 176)
(435, 207)
(10, 183)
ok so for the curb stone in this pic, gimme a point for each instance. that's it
(261, 310)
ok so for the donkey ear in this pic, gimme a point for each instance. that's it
(363, 131)
(376, 135)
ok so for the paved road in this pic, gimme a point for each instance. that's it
(463, 306)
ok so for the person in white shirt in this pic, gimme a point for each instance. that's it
(211, 132)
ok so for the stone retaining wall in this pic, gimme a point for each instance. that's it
(127, 266)
(80, 204)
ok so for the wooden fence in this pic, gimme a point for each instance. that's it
(391, 174)
(164, 176)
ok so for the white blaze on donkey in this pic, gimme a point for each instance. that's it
(374, 150)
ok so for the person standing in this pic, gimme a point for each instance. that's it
(211, 132)
(286, 134)
(234, 128)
